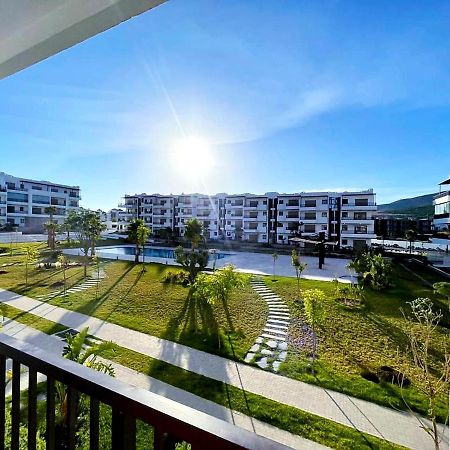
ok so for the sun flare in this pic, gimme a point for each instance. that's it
(192, 155)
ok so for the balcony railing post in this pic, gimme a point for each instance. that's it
(32, 409)
(15, 406)
(2, 400)
(50, 431)
(94, 415)
(123, 431)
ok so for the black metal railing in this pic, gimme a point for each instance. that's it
(172, 422)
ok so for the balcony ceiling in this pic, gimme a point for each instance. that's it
(33, 30)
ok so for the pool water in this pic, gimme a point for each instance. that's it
(151, 252)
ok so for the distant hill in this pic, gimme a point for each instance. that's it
(420, 207)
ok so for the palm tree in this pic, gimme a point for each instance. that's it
(194, 232)
(80, 350)
(274, 257)
(135, 232)
(50, 226)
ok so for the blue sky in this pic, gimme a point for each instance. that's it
(291, 95)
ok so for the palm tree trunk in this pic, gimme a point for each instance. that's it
(136, 256)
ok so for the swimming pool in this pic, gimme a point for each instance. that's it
(151, 252)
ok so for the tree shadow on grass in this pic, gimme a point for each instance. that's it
(90, 307)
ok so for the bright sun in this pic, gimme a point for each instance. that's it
(192, 155)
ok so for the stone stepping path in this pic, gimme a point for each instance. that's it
(270, 348)
(86, 284)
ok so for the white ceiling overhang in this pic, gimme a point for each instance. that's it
(33, 30)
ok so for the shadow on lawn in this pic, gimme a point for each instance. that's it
(196, 326)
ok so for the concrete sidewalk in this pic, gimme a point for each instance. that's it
(385, 423)
(55, 345)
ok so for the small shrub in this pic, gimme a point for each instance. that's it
(176, 277)
(4, 250)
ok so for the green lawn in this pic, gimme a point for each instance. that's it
(287, 418)
(351, 341)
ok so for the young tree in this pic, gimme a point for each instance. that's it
(274, 258)
(135, 232)
(64, 263)
(299, 268)
(435, 378)
(217, 287)
(410, 236)
(315, 312)
(70, 223)
(31, 256)
(88, 228)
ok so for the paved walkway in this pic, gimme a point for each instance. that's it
(386, 423)
(55, 345)
(270, 348)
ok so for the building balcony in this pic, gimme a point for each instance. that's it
(441, 195)
(352, 206)
(128, 405)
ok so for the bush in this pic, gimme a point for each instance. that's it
(4, 250)
(374, 270)
(176, 277)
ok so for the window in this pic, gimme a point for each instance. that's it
(264, 236)
(345, 201)
(22, 220)
(281, 202)
(361, 229)
(324, 227)
(16, 197)
(309, 228)
(344, 215)
(253, 204)
(280, 213)
(21, 209)
(264, 202)
(324, 214)
(361, 202)
(310, 203)
(38, 188)
(228, 222)
(215, 233)
(310, 216)
(360, 216)
(344, 227)
(42, 199)
(344, 241)
(324, 201)
(280, 238)
(264, 213)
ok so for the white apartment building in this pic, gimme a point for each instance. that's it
(441, 202)
(114, 219)
(23, 202)
(345, 218)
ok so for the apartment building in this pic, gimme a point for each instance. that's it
(441, 218)
(346, 218)
(23, 202)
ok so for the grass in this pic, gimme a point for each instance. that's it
(353, 341)
(284, 417)
(350, 341)
(40, 281)
(44, 325)
(141, 301)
